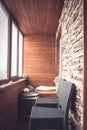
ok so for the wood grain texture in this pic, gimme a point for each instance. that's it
(9, 105)
(47, 94)
(36, 17)
(39, 59)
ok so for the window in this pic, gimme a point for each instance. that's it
(3, 43)
(14, 50)
(20, 54)
(11, 47)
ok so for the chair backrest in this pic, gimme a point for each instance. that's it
(60, 82)
(66, 90)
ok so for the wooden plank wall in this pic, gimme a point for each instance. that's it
(9, 105)
(39, 59)
(36, 16)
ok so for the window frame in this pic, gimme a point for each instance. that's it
(21, 50)
(9, 46)
(15, 76)
(8, 43)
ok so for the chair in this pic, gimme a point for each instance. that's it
(50, 102)
(53, 118)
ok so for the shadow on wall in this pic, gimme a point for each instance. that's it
(74, 111)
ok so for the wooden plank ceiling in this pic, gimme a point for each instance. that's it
(36, 17)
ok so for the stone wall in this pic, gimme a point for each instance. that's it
(72, 52)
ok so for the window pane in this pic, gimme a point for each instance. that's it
(20, 54)
(14, 51)
(3, 42)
